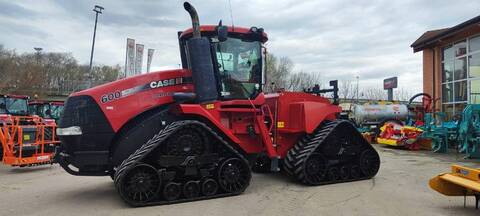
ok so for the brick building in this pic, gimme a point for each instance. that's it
(451, 65)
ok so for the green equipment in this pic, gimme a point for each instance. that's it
(469, 132)
(442, 133)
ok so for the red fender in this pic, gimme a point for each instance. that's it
(313, 113)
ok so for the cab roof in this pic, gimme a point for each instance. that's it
(14, 96)
(211, 28)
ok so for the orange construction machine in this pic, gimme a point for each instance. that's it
(25, 140)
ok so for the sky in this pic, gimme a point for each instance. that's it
(340, 39)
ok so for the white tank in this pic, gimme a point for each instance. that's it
(377, 113)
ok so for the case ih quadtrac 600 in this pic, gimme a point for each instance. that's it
(191, 133)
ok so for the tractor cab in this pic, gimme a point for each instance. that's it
(46, 109)
(234, 69)
(14, 105)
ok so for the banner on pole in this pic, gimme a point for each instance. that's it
(130, 58)
(139, 59)
(149, 59)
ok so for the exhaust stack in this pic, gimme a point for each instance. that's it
(199, 58)
(195, 21)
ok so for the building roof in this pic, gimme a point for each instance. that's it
(431, 37)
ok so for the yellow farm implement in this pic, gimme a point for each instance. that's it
(462, 181)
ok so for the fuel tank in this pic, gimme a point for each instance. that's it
(379, 112)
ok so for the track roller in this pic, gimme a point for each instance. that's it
(191, 189)
(172, 191)
(209, 187)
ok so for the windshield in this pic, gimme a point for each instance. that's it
(34, 109)
(14, 106)
(240, 68)
(49, 111)
(56, 111)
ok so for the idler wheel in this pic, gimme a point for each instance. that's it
(234, 175)
(140, 184)
(369, 162)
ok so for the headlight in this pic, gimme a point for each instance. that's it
(69, 131)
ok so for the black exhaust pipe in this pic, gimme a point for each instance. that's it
(195, 21)
(200, 61)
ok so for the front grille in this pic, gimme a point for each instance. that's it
(97, 132)
(83, 111)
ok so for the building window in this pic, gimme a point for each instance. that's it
(460, 75)
(475, 91)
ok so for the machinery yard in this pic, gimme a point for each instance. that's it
(400, 188)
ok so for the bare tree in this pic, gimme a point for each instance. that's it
(303, 80)
(403, 94)
(374, 93)
(347, 90)
(278, 70)
(40, 74)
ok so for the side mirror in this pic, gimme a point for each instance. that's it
(222, 32)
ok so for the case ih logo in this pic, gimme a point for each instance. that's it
(390, 83)
(167, 82)
(152, 85)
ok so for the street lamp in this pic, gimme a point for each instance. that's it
(97, 9)
(38, 50)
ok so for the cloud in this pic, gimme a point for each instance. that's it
(338, 39)
(13, 10)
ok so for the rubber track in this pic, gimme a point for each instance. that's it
(156, 141)
(294, 162)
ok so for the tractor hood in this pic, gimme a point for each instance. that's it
(126, 98)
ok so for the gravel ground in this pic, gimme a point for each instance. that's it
(400, 188)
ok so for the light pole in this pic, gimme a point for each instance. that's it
(97, 9)
(38, 50)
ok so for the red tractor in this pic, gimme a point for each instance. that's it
(194, 133)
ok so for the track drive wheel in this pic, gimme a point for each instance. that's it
(234, 175)
(140, 184)
(369, 162)
(190, 140)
